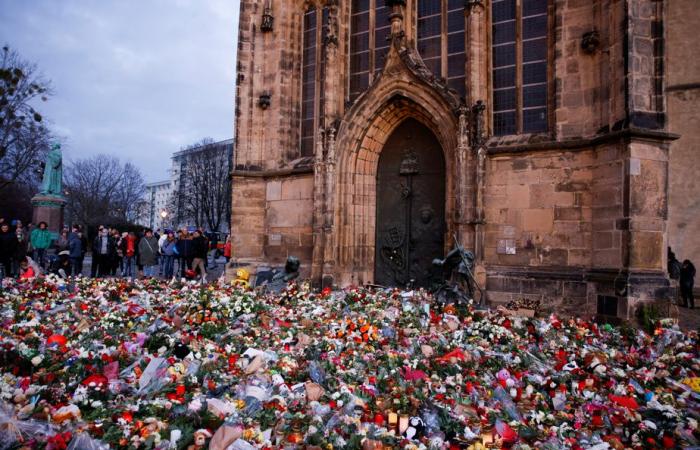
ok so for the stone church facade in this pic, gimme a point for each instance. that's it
(541, 134)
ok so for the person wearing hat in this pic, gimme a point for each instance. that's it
(62, 265)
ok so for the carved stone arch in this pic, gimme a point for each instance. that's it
(307, 4)
(362, 135)
(319, 4)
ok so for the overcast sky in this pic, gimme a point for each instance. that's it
(135, 78)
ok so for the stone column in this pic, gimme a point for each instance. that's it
(644, 225)
(319, 200)
(477, 52)
(328, 253)
(462, 179)
(325, 159)
(479, 153)
(477, 93)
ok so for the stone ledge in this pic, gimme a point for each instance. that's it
(271, 173)
(533, 143)
(50, 201)
(549, 273)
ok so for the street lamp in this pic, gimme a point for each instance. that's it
(163, 215)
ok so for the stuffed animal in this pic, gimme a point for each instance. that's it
(200, 439)
(416, 428)
(181, 350)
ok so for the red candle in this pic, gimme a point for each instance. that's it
(379, 419)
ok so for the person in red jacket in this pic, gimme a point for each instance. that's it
(227, 249)
(26, 271)
(129, 248)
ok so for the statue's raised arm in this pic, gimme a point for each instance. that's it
(52, 183)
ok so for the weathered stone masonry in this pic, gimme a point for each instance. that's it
(583, 210)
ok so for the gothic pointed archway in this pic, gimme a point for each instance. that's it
(351, 255)
(345, 250)
(410, 206)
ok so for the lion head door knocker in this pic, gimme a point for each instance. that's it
(426, 215)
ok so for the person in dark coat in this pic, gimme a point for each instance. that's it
(184, 249)
(22, 247)
(84, 246)
(75, 251)
(200, 248)
(103, 250)
(687, 283)
(116, 256)
(148, 254)
(674, 266)
(8, 247)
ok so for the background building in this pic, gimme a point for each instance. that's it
(201, 186)
(155, 213)
(543, 134)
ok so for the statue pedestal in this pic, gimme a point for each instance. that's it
(49, 209)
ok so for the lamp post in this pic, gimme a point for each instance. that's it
(163, 216)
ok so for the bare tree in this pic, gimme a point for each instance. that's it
(24, 141)
(205, 194)
(129, 192)
(20, 85)
(103, 190)
(23, 159)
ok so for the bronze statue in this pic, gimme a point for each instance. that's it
(455, 280)
(52, 183)
(281, 279)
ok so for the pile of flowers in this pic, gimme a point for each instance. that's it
(92, 364)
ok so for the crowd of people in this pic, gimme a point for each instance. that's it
(27, 252)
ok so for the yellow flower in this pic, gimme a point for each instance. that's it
(693, 383)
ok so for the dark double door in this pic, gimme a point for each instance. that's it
(410, 206)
